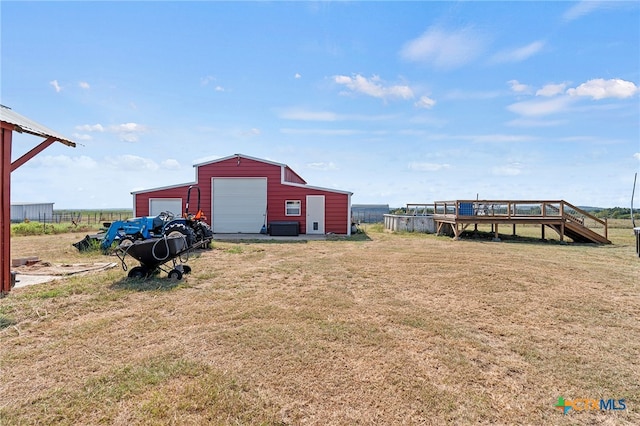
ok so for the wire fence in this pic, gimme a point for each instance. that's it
(79, 218)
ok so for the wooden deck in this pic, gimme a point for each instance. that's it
(560, 216)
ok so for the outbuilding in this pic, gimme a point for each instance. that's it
(242, 194)
(41, 212)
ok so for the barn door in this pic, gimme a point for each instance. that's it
(315, 214)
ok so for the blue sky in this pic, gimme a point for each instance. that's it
(397, 102)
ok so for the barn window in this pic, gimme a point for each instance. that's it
(292, 207)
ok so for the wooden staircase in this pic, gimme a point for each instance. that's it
(574, 225)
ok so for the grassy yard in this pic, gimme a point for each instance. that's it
(379, 328)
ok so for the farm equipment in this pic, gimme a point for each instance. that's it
(193, 228)
(153, 254)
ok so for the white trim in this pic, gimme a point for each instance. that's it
(349, 215)
(172, 200)
(322, 215)
(286, 210)
(317, 188)
(162, 188)
(228, 157)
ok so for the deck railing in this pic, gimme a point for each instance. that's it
(519, 209)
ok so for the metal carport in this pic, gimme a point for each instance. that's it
(12, 121)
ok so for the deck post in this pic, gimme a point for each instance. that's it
(542, 229)
(514, 229)
(496, 236)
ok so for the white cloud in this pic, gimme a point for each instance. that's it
(509, 170)
(219, 89)
(90, 128)
(207, 79)
(500, 138)
(525, 122)
(636, 155)
(458, 94)
(304, 115)
(445, 49)
(425, 102)
(551, 90)
(373, 87)
(132, 163)
(519, 54)
(518, 87)
(84, 85)
(600, 89)
(428, 167)
(250, 132)
(81, 137)
(322, 132)
(297, 76)
(127, 131)
(127, 127)
(65, 161)
(581, 9)
(170, 164)
(322, 166)
(540, 107)
(56, 85)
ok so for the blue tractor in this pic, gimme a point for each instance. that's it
(194, 229)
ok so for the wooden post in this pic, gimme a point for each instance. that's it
(5, 213)
(514, 229)
(542, 228)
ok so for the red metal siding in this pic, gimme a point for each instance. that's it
(142, 200)
(293, 177)
(336, 204)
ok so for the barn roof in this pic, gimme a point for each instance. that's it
(25, 125)
(239, 156)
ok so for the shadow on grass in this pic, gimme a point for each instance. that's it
(360, 236)
(6, 322)
(155, 283)
(506, 238)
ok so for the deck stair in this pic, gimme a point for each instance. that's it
(562, 217)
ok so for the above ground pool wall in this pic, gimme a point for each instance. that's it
(399, 223)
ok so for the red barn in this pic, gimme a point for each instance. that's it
(241, 194)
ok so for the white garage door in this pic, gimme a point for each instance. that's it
(159, 205)
(239, 205)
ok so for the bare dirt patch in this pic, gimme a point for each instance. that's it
(388, 329)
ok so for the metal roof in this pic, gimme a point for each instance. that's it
(23, 124)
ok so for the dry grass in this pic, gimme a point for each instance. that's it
(377, 329)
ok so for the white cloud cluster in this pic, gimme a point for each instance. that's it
(128, 132)
(557, 98)
(600, 89)
(428, 167)
(373, 87)
(518, 87)
(425, 102)
(56, 86)
(445, 49)
(581, 9)
(323, 166)
(518, 54)
(551, 90)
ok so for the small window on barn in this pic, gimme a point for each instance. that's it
(293, 207)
